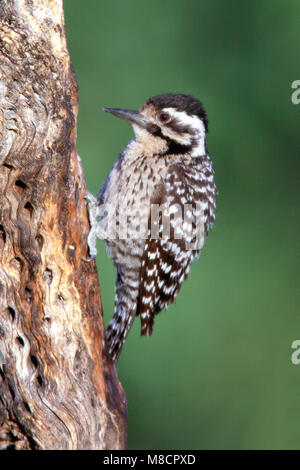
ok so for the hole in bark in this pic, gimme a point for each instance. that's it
(27, 407)
(20, 341)
(40, 241)
(48, 274)
(61, 297)
(28, 294)
(2, 235)
(2, 333)
(20, 186)
(12, 438)
(77, 192)
(29, 207)
(11, 313)
(40, 380)
(34, 360)
(10, 167)
(10, 447)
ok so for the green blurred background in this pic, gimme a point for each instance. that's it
(217, 372)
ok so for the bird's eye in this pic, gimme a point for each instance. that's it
(164, 117)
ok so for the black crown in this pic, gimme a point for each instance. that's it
(181, 102)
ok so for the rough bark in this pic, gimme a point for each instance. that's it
(57, 388)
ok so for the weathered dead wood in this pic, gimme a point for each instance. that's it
(57, 389)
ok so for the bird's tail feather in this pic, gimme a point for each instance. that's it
(118, 329)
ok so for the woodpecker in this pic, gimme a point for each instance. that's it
(154, 209)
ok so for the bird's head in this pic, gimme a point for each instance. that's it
(177, 121)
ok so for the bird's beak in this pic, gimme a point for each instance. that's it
(135, 117)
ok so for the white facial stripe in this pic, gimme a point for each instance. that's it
(195, 123)
(185, 119)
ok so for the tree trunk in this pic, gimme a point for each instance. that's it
(57, 388)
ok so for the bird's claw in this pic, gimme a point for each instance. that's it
(89, 259)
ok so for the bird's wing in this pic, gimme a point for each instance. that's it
(167, 257)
